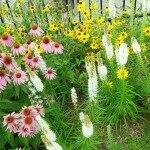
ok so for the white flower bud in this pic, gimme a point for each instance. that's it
(136, 46)
(37, 82)
(122, 54)
(102, 71)
(74, 96)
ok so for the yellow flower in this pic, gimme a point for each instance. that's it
(109, 84)
(46, 8)
(101, 20)
(38, 49)
(84, 39)
(94, 46)
(122, 74)
(81, 6)
(27, 52)
(125, 12)
(53, 27)
(119, 41)
(74, 22)
(9, 29)
(33, 8)
(86, 13)
(144, 47)
(106, 10)
(123, 35)
(94, 6)
(147, 31)
(20, 1)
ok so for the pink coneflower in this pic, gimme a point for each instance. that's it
(17, 49)
(6, 39)
(4, 79)
(58, 48)
(36, 30)
(40, 110)
(36, 62)
(11, 122)
(28, 126)
(28, 111)
(46, 44)
(50, 74)
(25, 132)
(19, 77)
(28, 59)
(30, 44)
(9, 62)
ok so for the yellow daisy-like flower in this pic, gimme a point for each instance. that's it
(86, 13)
(94, 46)
(74, 22)
(125, 12)
(20, 1)
(119, 41)
(53, 26)
(33, 8)
(81, 6)
(27, 52)
(46, 8)
(106, 9)
(84, 39)
(100, 20)
(9, 29)
(94, 6)
(109, 84)
(122, 74)
(147, 31)
(123, 35)
(144, 47)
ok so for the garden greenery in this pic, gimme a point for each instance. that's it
(67, 75)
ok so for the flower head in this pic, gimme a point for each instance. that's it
(50, 74)
(46, 44)
(122, 54)
(122, 74)
(102, 71)
(17, 49)
(36, 62)
(136, 46)
(6, 39)
(19, 77)
(10, 121)
(74, 96)
(87, 126)
(36, 30)
(9, 62)
(57, 48)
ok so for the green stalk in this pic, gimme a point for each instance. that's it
(144, 68)
(132, 16)
(11, 14)
(43, 4)
(34, 14)
(143, 25)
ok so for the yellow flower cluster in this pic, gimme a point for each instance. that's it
(121, 38)
(46, 8)
(53, 26)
